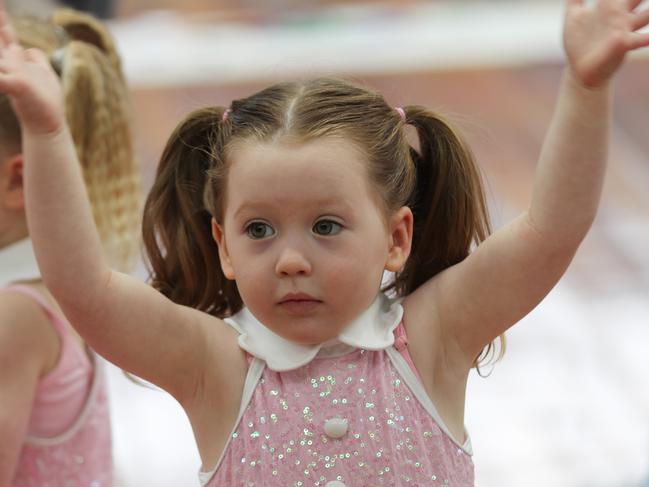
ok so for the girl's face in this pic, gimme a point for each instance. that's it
(304, 237)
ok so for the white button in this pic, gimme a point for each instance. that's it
(335, 483)
(335, 428)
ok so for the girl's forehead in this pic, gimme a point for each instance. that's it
(323, 149)
(321, 170)
(325, 160)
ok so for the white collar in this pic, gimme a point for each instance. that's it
(372, 330)
(18, 263)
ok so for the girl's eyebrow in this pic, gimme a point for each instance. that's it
(330, 202)
(250, 206)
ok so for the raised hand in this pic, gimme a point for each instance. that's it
(31, 84)
(597, 35)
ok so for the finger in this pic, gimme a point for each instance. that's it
(8, 84)
(7, 59)
(12, 56)
(36, 56)
(632, 4)
(639, 40)
(7, 35)
(641, 19)
(574, 3)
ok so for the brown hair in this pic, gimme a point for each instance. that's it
(98, 113)
(439, 182)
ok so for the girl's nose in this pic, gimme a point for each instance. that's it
(291, 262)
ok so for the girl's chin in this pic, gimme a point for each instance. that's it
(306, 337)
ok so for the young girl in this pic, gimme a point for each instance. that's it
(269, 228)
(54, 423)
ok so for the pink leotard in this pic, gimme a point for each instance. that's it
(349, 416)
(68, 441)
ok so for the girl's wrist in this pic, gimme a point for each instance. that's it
(51, 130)
(589, 106)
(578, 83)
(49, 135)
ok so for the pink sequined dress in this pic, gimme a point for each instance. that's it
(348, 413)
(69, 437)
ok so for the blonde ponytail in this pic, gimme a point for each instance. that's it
(99, 115)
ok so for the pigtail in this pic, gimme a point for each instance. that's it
(98, 112)
(90, 31)
(183, 258)
(448, 204)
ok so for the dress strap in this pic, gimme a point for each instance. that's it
(255, 371)
(401, 345)
(402, 361)
(58, 321)
(32, 293)
(46, 306)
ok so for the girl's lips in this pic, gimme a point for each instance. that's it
(299, 306)
(297, 297)
(299, 303)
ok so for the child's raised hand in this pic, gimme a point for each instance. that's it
(597, 35)
(31, 84)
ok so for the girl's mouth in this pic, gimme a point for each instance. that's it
(299, 303)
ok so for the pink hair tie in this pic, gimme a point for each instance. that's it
(401, 113)
(226, 113)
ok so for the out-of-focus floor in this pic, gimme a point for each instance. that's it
(568, 406)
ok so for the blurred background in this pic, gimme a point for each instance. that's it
(569, 403)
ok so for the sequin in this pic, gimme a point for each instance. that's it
(391, 440)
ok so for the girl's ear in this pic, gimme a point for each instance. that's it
(11, 178)
(224, 257)
(400, 227)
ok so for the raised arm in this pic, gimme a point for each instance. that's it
(125, 320)
(512, 271)
(569, 177)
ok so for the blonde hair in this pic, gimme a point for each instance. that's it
(98, 113)
(439, 182)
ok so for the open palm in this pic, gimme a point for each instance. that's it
(598, 35)
(31, 84)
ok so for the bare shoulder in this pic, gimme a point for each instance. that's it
(227, 368)
(26, 334)
(422, 321)
(441, 365)
(213, 406)
(226, 361)
(430, 344)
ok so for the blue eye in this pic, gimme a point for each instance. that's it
(259, 230)
(327, 227)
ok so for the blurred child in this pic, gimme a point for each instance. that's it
(54, 419)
